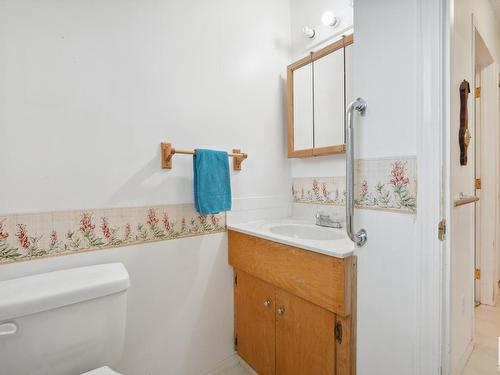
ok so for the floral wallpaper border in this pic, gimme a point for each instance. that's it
(383, 184)
(32, 236)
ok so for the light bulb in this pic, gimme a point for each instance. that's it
(329, 19)
(308, 32)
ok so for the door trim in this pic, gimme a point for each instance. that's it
(489, 192)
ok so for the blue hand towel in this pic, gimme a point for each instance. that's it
(212, 185)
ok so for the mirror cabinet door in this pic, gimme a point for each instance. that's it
(329, 102)
(318, 86)
(303, 108)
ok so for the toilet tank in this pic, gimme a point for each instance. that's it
(64, 322)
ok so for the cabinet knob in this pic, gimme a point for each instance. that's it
(281, 311)
(267, 303)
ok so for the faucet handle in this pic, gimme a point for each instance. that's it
(325, 216)
(328, 220)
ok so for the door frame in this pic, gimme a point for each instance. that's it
(488, 144)
(434, 24)
(433, 272)
(476, 140)
(440, 269)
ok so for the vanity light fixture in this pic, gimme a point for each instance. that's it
(308, 32)
(329, 19)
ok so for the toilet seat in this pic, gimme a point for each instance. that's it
(105, 370)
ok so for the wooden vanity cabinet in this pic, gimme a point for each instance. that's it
(255, 322)
(305, 340)
(286, 322)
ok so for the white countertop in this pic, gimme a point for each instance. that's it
(339, 248)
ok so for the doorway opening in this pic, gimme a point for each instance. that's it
(485, 143)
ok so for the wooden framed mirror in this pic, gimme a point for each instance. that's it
(317, 87)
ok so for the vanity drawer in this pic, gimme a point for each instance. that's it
(321, 279)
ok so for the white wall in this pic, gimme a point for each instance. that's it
(385, 76)
(384, 70)
(308, 13)
(179, 318)
(91, 90)
(88, 90)
(462, 177)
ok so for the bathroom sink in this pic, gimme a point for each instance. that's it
(306, 232)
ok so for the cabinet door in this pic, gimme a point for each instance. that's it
(303, 108)
(305, 337)
(329, 100)
(255, 322)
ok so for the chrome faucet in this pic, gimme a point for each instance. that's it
(325, 220)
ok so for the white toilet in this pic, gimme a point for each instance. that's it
(65, 322)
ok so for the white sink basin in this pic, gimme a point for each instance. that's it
(307, 232)
(300, 233)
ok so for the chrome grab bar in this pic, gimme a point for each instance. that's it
(464, 199)
(360, 237)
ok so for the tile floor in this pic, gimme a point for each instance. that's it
(239, 368)
(484, 358)
(236, 370)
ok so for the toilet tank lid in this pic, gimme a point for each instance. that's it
(47, 291)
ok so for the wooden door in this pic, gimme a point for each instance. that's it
(305, 337)
(255, 322)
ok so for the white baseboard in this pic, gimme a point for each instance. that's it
(226, 364)
(247, 367)
(230, 362)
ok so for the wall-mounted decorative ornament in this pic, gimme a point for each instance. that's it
(464, 133)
